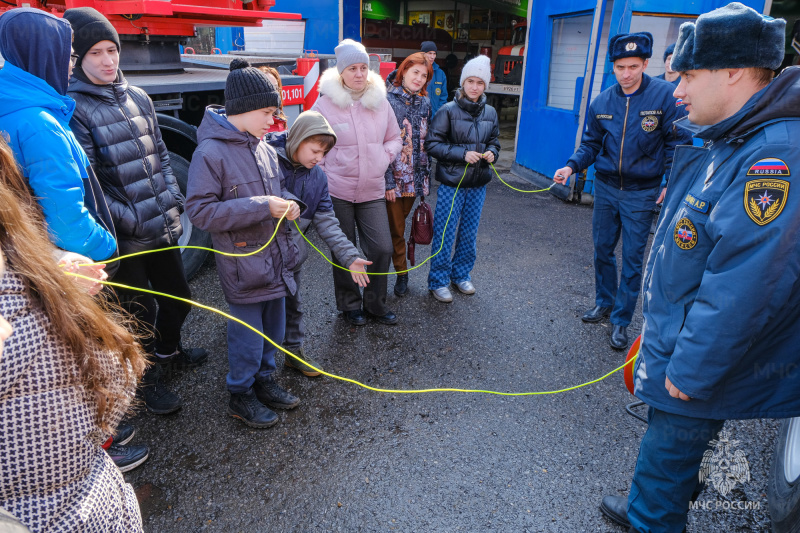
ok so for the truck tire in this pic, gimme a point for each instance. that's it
(783, 490)
(192, 259)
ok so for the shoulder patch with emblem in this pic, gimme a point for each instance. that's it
(685, 234)
(649, 123)
(771, 166)
(438, 91)
(764, 199)
(698, 204)
(604, 117)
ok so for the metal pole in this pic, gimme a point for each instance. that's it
(591, 64)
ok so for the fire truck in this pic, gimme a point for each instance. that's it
(507, 72)
(181, 86)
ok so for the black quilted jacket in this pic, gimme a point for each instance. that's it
(458, 127)
(117, 127)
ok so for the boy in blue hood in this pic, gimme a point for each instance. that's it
(35, 119)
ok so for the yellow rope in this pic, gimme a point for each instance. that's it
(342, 378)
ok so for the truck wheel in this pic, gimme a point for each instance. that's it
(192, 259)
(783, 490)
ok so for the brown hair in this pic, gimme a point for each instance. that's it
(322, 139)
(762, 76)
(272, 71)
(107, 355)
(417, 58)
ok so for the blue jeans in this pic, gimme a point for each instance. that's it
(667, 470)
(462, 227)
(250, 356)
(630, 214)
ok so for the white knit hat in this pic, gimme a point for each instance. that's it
(480, 67)
(350, 52)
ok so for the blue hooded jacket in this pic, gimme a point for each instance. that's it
(35, 119)
(721, 291)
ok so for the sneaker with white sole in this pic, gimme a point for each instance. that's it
(442, 294)
(465, 287)
(128, 457)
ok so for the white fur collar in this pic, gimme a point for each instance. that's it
(331, 86)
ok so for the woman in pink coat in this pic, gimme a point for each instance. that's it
(353, 100)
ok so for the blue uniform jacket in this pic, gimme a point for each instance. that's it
(630, 138)
(35, 118)
(437, 89)
(722, 284)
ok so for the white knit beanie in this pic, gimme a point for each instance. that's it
(480, 67)
(350, 52)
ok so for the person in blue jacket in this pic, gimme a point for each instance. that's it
(35, 118)
(722, 285)
(299, 151)
(630, 139)
(437, 85)
(669, 74)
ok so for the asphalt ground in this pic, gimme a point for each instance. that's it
(348, 459)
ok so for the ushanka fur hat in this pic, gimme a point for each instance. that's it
(734, 36)
(630, 45)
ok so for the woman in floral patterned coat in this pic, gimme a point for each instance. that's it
(408, 176)
(68, 371)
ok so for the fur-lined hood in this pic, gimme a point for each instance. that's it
(330, 85)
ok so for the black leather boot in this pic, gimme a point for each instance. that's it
(596, 314)
(619, 337)
(401, 285)
(616, 508)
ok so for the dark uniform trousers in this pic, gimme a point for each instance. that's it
(666, 476)
(628, 214)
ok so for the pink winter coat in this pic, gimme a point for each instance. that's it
(368, 138)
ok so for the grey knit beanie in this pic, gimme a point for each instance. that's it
(478, 67)
(734, 36)
(248, 89)
(350, 52)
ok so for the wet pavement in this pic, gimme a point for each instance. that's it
(349, 459)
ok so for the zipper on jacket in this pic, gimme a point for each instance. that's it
(234, 191)
(622, 143)
(147, 167)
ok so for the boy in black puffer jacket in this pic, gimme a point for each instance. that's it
(116, 125)
(299, 151)
(465, 130)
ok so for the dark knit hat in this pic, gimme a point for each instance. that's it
(669, 51)
(734, 36)
(428, 46)
(248, 89)
(90, 27)
(630, 45)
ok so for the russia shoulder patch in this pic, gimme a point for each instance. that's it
(770, 166)
(764, 199)
(685, 234)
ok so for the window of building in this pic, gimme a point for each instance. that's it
(665, 32)
(568, 51)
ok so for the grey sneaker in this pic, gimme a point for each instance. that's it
(442, 294)
(306, 370)
(466, 287)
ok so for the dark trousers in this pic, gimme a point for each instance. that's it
(667, 469)
(370, 219)
(250, 356)
(295, 334)
(163, 271)
(629, 214)
(398, 213)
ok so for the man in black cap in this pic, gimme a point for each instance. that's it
(630, 139)
(437, 86)
(722, 292)
(117, 127)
